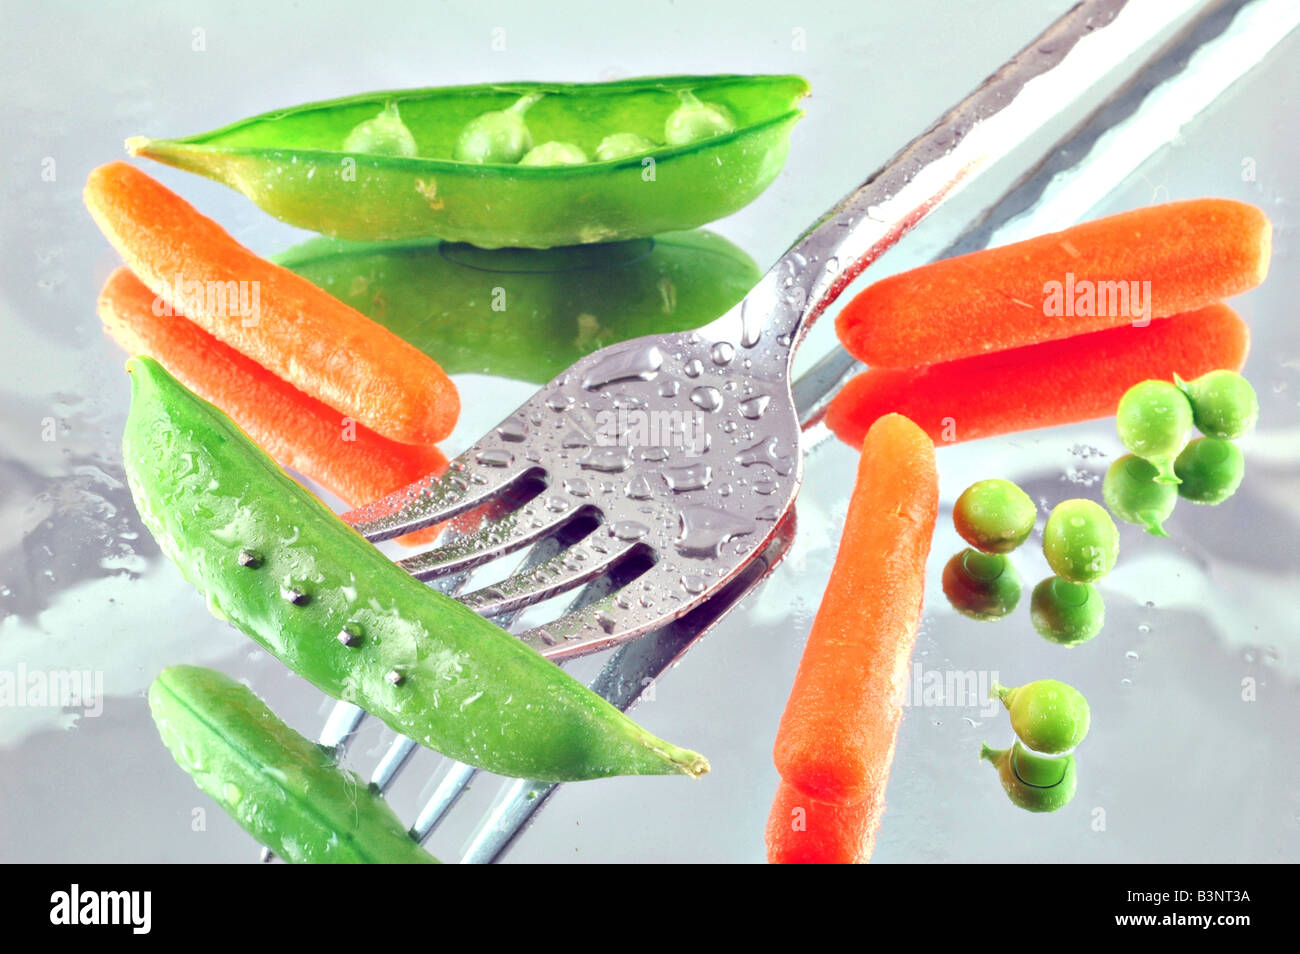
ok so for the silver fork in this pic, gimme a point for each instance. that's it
(674, 532)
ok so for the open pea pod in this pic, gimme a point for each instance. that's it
(529, 313)
(297, 165)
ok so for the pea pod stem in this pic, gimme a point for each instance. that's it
(525, 103)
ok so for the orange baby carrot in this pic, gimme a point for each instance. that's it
(805, 831)
(351, 461)
(1059, 382)
(281, 321)
(836, 737)
(1149, 263)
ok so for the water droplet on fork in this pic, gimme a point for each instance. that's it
(577, 486)
(607, 460)
(753, 408)
(707, 398)
(511, 429)
(628, 530)
(638, 488)
(687, 477)
(705, 529)
(625, 364)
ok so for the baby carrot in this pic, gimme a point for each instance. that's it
(836, 737)
(281, 321)
(1149, 263)
(302, 433)
(1059, 382)
(805, 831)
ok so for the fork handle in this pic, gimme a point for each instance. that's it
(1029, 89)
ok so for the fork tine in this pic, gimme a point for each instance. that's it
(649, 602)
(434, 499)
(568, 569)
(514, 531)
(394, 759)
(451, 788)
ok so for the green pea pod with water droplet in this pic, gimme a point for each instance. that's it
(279, 565)
(728, 139)
(286, 791)
(529, 313)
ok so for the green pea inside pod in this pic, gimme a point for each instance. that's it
(500, 136)
(1036, 783)
(1210, 469)
(1224, 404)
(1066, 613)
(620, 145)
(1154, 420)
(384, 135)
(1080, 541)
(1135, 496)
(528, 314)
(983, 586)
(994, 515)
(554, 153)
(694, 120)
(1047, 715)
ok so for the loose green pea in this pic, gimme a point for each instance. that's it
(1224, 404)
(1066, 613)
(623, 144)
(385, 135)
(1210, 470)
(1154, 420)
(1036, 783)
(1048, 716)
(554, 153)
(1080, 541)
(995, 515)
(694, 120)
(500, 136)
(982, 586)
(1133, 494)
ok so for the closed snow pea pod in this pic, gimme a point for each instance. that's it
(293, 164)
(529, 313)
(286, 791)
(279, 565)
